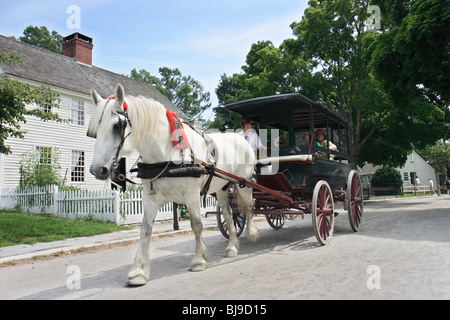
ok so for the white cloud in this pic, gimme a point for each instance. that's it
(237, 42)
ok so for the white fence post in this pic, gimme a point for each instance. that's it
(116, 207)
(54, 207)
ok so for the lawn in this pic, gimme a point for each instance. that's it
(22, 228)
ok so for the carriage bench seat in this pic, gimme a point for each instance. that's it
(294, 158)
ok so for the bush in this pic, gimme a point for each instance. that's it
(40, 167)
(387, 177)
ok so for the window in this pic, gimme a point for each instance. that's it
(44, 155)
(47, 108)
(406, 176)
(77, 166)
(77, 112)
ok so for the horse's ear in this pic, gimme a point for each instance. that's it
(120, 95)
(95, 97)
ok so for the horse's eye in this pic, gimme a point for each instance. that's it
(116, 127)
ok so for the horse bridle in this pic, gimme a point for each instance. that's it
(123, 123)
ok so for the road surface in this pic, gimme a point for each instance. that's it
(401, 252)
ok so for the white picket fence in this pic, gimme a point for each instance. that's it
(104, 204)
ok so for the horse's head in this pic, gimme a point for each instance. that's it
(111, 127)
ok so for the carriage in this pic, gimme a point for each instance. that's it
(178, 163)
(293, 180)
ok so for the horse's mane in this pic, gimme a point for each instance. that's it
(143, 113)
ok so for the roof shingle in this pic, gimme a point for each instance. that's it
(57, 70)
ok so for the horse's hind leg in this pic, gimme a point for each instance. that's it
(201, 252)
(233, 244)
(245, 198)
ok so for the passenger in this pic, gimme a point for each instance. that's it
(249, 133)
(321, 142)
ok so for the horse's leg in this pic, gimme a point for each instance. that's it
(140, 273)
(233, 244)
(245, 198)
(201, 252)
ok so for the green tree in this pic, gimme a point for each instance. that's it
(268, 71)
(410, 58)
(334, 34)
(413, 52)
(387, 177)
(438, 156)
(337, 60)
(184, 91)
(42, 38)
(15, 96)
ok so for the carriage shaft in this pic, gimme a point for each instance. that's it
(243, 181)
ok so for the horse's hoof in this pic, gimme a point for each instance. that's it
(198, 267)
(231, 253)
(137, 281)
(253, 236)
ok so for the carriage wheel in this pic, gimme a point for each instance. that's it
(276, 221)
(239, 223)
(323, 212)
(354, 200)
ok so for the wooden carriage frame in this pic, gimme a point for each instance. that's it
(303, 183)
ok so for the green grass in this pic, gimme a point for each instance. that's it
(412, 195)
(22, 228)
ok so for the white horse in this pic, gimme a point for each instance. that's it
(144, 126)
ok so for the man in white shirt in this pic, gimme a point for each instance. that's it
(431, 183)
(249, 134)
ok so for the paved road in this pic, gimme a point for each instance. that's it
(402, 252)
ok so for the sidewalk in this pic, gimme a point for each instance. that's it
(24, 251)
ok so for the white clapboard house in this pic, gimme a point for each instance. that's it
(72, 75)
(415, 171)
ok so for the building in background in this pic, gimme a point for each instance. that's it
(72, 75)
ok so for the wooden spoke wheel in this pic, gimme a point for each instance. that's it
(276, 221)
(239, 223)
(355, 201)
(323, 212)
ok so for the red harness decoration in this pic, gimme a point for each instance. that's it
(177, 131)
(125, 104)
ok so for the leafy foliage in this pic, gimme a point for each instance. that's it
(390, 84)
(18, 100)
(438, 156)
(40, 168)
(387, 177)
(42, 38)
(184, 91)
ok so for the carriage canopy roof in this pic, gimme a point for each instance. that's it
(280, 111)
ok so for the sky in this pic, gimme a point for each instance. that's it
(203, 38)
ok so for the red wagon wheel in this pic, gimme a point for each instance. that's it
(355, 200)
(276, 221)
(323, 212)
(239, 223)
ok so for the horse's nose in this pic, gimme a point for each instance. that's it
(101, 173)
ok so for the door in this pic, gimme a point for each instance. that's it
(122, 170)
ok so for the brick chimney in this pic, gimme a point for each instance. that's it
(78, 46)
